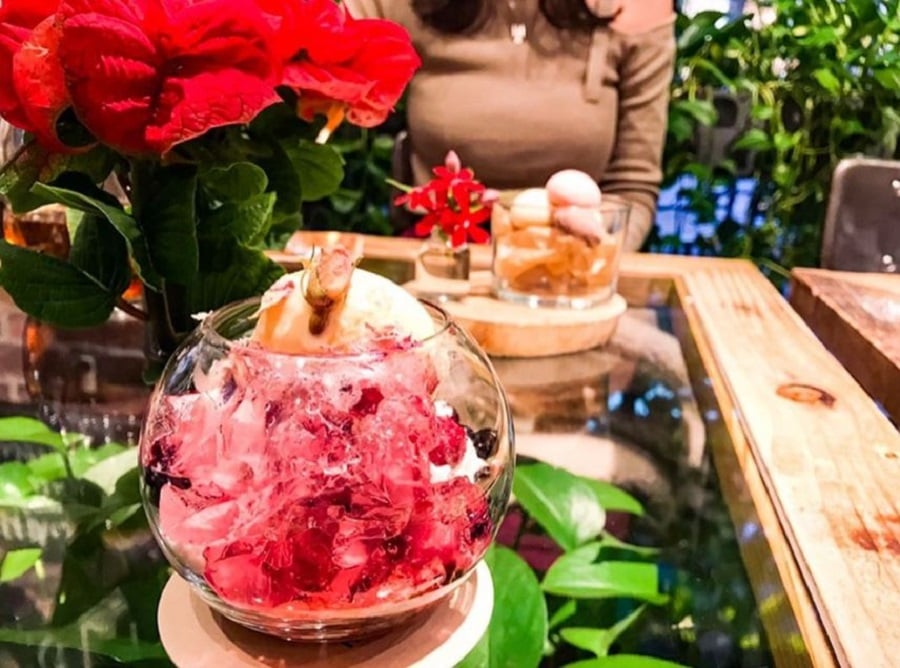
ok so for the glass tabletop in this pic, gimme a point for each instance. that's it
(639, 412)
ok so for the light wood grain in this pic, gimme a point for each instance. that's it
(857, 317)
(830, 463)
(786, 607)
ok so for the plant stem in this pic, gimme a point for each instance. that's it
(131, 310)
(15, 156)
(161, 339)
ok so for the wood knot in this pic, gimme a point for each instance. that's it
(806, 394)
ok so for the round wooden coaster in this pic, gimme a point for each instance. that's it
(504, 329)
(196, 637)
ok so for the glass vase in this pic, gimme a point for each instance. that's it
(442, 269)
(325, 497)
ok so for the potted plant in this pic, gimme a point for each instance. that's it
(174, 133)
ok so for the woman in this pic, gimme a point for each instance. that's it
(523, 88)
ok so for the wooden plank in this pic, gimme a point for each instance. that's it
(857, 317)
(783, 597)
(830, 461)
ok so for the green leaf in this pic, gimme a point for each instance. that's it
(34, 164)
(608, 579)
(624, 661)
(235, 183)
(564, 504)
(563, 613)
(29, 430)
(230, 272)
(889, 78)
(100, 251)
(247, 220)
(53, 290)
(75, 636)
(84, 459)
(284, 181)
(15, 482)
(319, 167)
(99, 203)
(17, 562)
(614, 499)
(515, 636)
(608, 541)
(827, 80)
(753, 140)
(106, 472)
(702, 111)
(165, 208)
(598, 641)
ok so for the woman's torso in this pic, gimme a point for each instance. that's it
(514, 112)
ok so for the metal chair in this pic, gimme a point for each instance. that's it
(862, 222)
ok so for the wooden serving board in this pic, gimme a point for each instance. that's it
(505, 329)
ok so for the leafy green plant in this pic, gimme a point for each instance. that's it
(821, 81)
(361, 203)
(534, 619)
(87, 499)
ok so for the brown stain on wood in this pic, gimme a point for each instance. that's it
(883, 538)
(806, 394)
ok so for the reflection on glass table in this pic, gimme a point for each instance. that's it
(639, 413)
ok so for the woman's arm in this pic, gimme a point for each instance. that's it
(645, 77)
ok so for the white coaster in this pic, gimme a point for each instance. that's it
(196, 637)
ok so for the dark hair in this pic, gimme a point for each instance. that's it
(461, 16)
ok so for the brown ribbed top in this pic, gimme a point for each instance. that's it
(516, 113)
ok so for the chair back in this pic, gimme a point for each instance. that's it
(862, 222)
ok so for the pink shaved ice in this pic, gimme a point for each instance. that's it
(308, 480)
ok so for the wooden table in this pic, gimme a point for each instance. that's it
(819, 460)
(857, 317)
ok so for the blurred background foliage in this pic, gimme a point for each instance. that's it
(765, 102)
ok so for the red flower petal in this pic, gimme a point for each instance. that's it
(17, 19)
(40, 83)
(479, 235)
(365, 64)
(146, 76)
(389, 60)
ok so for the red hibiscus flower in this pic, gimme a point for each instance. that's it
(32, 89)
(335, 61)
(144, 75)
(453, 202)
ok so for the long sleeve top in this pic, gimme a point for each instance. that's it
(518, 112)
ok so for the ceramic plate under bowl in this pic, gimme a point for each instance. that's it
(196, 637)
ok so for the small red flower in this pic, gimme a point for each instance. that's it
(453, 202)
(145, 75)
(32, 86)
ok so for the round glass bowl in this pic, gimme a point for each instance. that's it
(557, 257)
(325, 497)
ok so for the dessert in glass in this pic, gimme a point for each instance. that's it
(560, 245)
(328, 461)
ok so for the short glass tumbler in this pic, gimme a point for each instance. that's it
(325, 497)
(564, 257)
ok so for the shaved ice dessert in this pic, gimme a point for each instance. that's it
(325, 461)
(558, 245)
